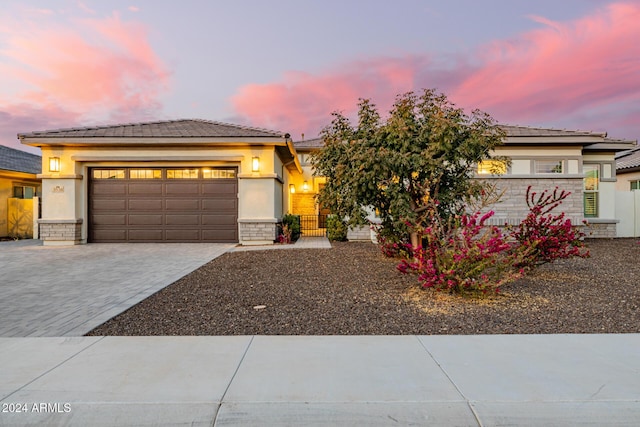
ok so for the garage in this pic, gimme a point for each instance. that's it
(163, 204)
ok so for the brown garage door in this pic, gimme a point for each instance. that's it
(163, 205)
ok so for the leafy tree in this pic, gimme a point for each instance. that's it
(414, 164)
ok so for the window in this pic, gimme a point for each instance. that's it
(492, 167)
(548, 166)
(304, 159)
(145, 173)
(591, 188)
(182, 173)
(635, 185)
(218, 173)
(25, 191)
(108, 173)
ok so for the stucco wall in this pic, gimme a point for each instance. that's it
(624, 179)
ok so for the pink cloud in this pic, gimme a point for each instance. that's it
(557, 75)
(93, 70)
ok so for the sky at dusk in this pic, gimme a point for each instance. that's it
(287, 64)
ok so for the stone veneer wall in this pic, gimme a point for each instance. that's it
(359, 233)
(257, 231)
(61, 231)
(512, 207)
(600, 230)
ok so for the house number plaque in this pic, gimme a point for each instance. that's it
(58, 189)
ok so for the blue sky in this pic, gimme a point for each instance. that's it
(286, 65)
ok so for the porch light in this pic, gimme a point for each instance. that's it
(292, 188)
(54, 164)
(305, 186)
(255, 164)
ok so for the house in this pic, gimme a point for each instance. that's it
(628, 169)
(627, 196)
(163, 181)
(576, 161)
(207, 181)
(19, 184)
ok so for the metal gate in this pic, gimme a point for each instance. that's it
(313, 225)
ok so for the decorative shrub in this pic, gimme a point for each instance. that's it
(284, 236)
(463, 256)
(293, 224)
(544, 237)
(336, 229)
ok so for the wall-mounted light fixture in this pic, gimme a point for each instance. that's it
(54, 164)
(292, 188)
(305, 186)
(255, 164)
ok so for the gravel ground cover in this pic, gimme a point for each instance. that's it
(352, 289)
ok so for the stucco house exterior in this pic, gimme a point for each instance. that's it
(19, 185)
(164, 181)
(576, 161)
(628, 169)
(207, 181)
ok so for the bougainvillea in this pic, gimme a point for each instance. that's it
(465, 255)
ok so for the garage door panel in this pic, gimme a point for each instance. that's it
(145, 204)
(146, 219)
(220, 187)
(182, 204)
(108, 204)
(109, 235)
(183, 235)
(219, 220)
(182, 219)
(100, 188)
(145, 235)
(106, 219)
(222, 236)
(182, 188)
(220, 205)
(146, 188)
(135, 209)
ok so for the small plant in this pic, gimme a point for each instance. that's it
(463, 256)
(292, 222)
(544, 237)
(285, 235)
(336, 229)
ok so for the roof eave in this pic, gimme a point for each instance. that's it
(149, 141)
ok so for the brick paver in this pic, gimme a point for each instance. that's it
(67, 291)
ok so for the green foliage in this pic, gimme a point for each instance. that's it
(336, 229)
(292, 222)
(425, 150)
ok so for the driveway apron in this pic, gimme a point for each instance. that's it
(69, 290)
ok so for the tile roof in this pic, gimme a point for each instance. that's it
(19, 161)
(628, 159)
(183, 128)
(309, 143)
(513, 130)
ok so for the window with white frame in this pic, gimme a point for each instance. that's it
(635, 185)
(591, 189)
(548, 166)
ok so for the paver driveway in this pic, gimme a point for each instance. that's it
(67, 291)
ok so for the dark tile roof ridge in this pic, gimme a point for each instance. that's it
(568, 131)
(19, 161)
(154, 122)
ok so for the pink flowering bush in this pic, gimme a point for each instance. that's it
(465, 255)
(544, 237)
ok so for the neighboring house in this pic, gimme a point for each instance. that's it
(576, 161)
(628, 169)
(18, 182)
(165, 181)
(627, 196)
(206, 181)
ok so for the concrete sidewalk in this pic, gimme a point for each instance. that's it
(516, 380)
